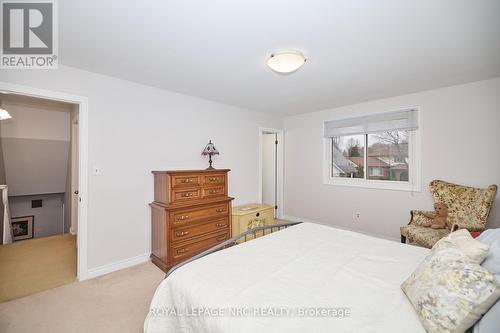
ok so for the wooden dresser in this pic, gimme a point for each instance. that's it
(191, 212)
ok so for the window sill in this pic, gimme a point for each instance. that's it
(373, 184)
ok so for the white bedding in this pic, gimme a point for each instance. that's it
(304, 266)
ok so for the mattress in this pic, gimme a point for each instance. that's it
(307, 278)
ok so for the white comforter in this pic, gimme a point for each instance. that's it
(307, 266)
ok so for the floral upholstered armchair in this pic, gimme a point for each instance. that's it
(468, 208)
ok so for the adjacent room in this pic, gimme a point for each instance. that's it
(38, 165)
(259, 166)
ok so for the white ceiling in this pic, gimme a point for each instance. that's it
(357, 50)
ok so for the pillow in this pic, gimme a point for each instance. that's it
(474, 249)
(491, 320)
(489, 236)
(492, 261)
(449, 290)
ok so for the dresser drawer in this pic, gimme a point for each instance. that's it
(185, 250)
(180, 217)
(185, 180)
(185, 194)
(214, 179)
(188, 232)
(213, 191)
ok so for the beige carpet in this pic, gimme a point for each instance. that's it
(117, 302)
(34, 265)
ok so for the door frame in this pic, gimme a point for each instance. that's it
(82, 102)
(280, 168)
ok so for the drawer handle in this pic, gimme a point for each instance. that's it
(189, 180)
(221, 238)
(182, 217)
(213, 191)
(187, 195)
(220, 225)
(183, 250)
(182, 233)
(220, 210)
(213, 179)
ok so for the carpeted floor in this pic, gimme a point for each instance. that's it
(31, 266)
(117, 302)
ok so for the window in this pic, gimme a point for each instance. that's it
(376, 171)
(373, 151)
(386, 156)
(348, 160)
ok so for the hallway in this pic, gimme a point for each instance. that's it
(30, 266)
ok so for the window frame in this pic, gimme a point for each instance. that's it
(414, 174)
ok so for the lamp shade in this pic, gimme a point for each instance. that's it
(286, 61)
(210, 149)
(4, 114)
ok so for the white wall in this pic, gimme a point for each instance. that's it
(34, 119)
(134, 129)
(48, 219)
(35, 145)
(460, 133)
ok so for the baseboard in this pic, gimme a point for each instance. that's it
(297, 219)
(117, 265)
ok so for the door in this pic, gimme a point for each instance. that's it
(74, 173)
(269, 169)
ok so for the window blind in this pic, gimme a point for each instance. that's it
(381, 122)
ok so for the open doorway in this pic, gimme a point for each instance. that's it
(271, 169)
(39, 177)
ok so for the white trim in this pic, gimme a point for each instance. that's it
(7, 232)
(280, 157)
(300, 219)
(414, 153)
(82, 102)
(117, 265)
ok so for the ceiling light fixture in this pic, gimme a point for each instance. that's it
(4, 114)
(286, 61)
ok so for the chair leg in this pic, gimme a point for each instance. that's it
(403, 239)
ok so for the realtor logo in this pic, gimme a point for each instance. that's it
(29, 34)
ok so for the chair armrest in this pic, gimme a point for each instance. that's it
(418, 217)
(457, 226)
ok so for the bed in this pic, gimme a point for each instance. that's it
(308, 277)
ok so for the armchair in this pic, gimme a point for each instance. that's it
(468, 208)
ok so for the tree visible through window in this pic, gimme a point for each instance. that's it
(348, 156)
(374, 156)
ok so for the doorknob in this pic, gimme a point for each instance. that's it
(76, 192)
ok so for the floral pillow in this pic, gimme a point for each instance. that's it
(449, 290)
